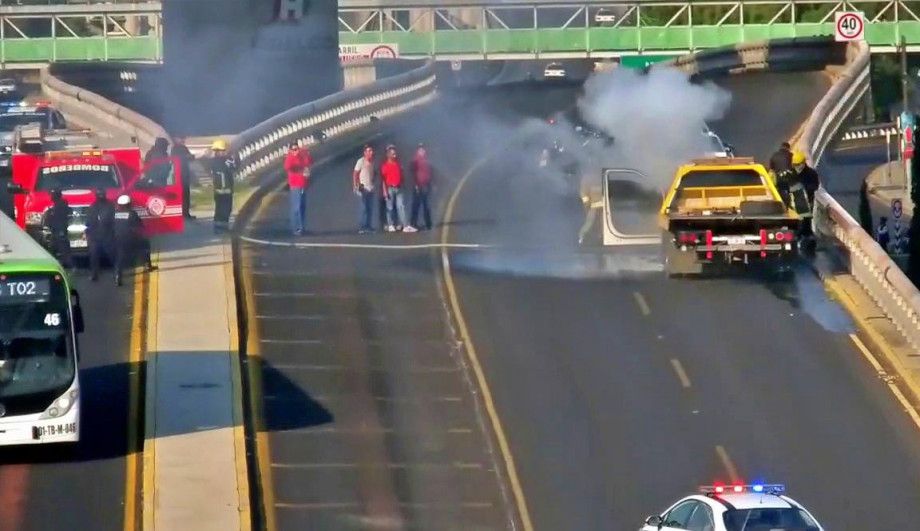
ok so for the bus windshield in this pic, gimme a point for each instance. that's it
(36, 347)
(77, 177)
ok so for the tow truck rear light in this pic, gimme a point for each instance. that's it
(688, 238)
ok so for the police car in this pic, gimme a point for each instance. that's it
(15, 114)
(735, 508)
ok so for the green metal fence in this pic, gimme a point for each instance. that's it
(595, 28)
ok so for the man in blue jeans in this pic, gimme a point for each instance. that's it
(392, 176)
(297, 165)
(363, 185)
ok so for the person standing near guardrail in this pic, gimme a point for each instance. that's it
(223, 169)
(781, 169)
(392, 175)
(420, 167)
(297, 166)
(363, 185)
(180, 151)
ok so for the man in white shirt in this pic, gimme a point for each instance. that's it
(363, 185)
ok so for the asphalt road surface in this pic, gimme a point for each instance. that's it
(619, 390)
(45, 488)
(367, 398)
(622, 390)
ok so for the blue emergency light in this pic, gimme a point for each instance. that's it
(13, 104)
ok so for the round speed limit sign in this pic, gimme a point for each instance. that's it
(850, 26)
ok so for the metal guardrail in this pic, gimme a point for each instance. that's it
(98, 112)
(869, 264)
(261, 147)
(871, 131)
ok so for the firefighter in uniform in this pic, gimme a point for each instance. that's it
(57, 221)
(100, 220)
(222, 166)
(802, 188)
(129, 238)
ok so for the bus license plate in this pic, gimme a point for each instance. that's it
(52, 430)
(736, 240)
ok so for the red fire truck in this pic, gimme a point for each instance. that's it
(155, 188)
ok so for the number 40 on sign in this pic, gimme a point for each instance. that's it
(849, 26)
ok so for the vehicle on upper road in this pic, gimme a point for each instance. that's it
(10, 90)
(554, 71)
(155, 189)
(40, 317)
(605, 16)
(725, 210)
(735, 508)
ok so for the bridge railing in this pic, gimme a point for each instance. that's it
(92, 110)
(263, 146)
(869, 264)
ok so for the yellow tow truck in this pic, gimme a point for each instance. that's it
(725, 211)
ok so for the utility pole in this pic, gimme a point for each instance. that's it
(903, 47)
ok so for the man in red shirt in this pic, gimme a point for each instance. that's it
(391, 173)
(421, 171)
(297, 166)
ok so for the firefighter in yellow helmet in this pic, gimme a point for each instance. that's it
(223, 173)
(802, 190)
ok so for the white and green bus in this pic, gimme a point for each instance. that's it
(40, 318)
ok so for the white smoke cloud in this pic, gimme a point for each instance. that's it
(656, 118)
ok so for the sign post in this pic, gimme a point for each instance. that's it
(849, 26)
(908, 124)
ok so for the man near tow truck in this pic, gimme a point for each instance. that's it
(57, 221)
(803, 185)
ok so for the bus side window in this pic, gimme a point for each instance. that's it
(77, 311)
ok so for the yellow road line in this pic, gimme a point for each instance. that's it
(905, 403)
(254, 367)
(470, 349)
(728, 464)
(135, 356)
(149, 462)
(239, 429)
(681, 373)
(643, 305)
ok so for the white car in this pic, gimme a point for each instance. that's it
(604, 15)
(735, 508)
(554, 70)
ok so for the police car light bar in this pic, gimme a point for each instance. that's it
(758, 488)
(9, 104)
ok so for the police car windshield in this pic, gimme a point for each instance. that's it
(77, 177)
(790, 519)
(8, 122)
